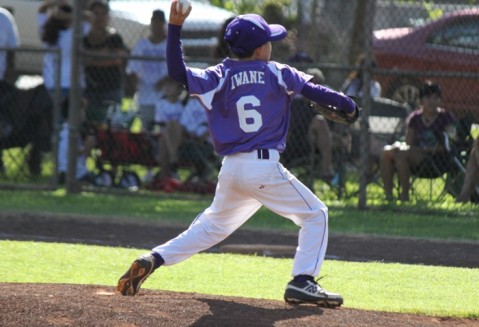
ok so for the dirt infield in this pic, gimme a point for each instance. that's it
(86, 305)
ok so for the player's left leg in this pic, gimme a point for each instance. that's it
(303, 207)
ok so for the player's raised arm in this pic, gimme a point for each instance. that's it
(174, 53)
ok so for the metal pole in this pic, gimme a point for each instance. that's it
(366, 103)
(74, 100)
(56, 116)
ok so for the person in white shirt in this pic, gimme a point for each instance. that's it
(168, 111)
(194, 120)
(54, 21)
(184, 135)
(148, 76)
(196, 147)
(9, 38)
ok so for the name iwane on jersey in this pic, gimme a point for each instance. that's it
(247, 77)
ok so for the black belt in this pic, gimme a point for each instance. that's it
(263, 154)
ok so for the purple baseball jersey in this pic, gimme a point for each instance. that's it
(247, 102)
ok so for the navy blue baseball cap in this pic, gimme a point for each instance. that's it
(248, 32)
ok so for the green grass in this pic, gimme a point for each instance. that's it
(448, 225)
(427, 290)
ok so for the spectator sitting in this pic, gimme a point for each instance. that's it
(167, 114)
(184, 138)
(307, 125)
(471, 178)
(86, 144)
(104, 82)
(196, 147)
(424, 137)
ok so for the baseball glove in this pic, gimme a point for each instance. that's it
(336, 114)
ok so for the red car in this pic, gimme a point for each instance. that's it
(445, 50)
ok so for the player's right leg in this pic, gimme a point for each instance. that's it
(140, 269)
(231, 207)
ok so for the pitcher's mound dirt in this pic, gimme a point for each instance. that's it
(78, 305)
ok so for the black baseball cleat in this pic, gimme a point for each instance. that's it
(309, 291)
(140, 269)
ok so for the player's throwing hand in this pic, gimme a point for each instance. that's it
(176, 16)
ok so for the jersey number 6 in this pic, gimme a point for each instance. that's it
(250, 120)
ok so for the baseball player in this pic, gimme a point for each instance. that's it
(247, 104)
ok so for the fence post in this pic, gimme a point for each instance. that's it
(366, 103)
(74, 115)
(56, 116)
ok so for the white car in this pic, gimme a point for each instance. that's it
(131, 18)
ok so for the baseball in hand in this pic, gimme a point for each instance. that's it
(186, 4)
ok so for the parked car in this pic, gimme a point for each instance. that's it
(131, 18)
(447, 46)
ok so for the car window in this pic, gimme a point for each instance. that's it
(460, 35)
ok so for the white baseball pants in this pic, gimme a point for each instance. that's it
(246, 182)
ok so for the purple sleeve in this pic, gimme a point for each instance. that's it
(174, 55)
(325, 96)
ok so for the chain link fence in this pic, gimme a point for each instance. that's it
(119, 135)
(28, 138)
